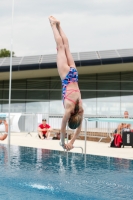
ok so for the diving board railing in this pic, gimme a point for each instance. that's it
(100, 129)
(96, 129)
(105, 120)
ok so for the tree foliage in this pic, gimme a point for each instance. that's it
(5, 53)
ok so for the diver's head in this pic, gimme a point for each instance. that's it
(75, 119)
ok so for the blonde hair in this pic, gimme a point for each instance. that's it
(75, 119)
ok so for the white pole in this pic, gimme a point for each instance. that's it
(10, 78)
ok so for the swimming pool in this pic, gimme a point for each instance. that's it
(39, 174)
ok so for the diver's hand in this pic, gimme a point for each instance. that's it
(69, 146)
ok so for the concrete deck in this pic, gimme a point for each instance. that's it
(93, 148)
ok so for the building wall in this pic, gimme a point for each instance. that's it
(102, 94)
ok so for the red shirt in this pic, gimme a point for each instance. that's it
(42, 126)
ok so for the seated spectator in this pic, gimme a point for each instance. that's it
(57, 136)
(44, 130)
(121, 127)
(3, 129)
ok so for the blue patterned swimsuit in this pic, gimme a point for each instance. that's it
(71, 77)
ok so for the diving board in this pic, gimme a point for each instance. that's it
(117, 120)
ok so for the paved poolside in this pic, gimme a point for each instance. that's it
(94, 148)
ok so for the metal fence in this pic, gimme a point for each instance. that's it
(28, 123)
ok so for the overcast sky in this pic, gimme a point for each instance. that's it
(90, 25)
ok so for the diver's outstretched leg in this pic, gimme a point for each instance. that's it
(62, 65)
(70, 59)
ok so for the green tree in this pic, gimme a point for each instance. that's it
(5, 53)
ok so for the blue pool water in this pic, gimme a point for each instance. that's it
(38, 174)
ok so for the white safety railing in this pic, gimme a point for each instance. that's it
(28, 122)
